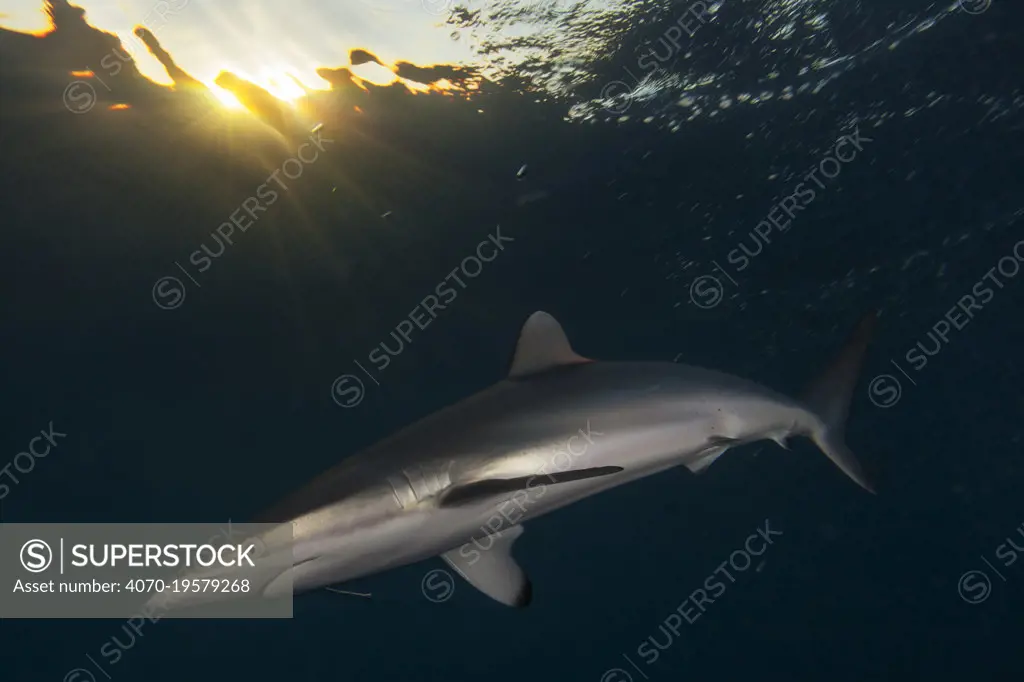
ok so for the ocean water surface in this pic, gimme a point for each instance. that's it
(222, 222)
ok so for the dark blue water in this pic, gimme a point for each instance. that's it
(213, 407)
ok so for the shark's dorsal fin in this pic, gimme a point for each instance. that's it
(542, 346)
(489, 567)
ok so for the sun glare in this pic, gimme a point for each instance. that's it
(287, 84)
(225, 97)
(282, 85)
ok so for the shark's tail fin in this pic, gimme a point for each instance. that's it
(829, 397)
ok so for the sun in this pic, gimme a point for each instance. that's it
(225, 97)
(283, 83)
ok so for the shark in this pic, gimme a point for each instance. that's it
(559, 428)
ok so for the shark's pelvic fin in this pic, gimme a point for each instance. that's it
(542, 346)
(700, 465)
(476, 491)
(829, 397)
(493, 571)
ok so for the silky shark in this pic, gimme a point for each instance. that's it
(461, 482)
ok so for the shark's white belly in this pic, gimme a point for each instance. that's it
(639, 453)
(422, 528)
(407, 524)
(419, 528)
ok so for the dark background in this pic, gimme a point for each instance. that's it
(213, 410)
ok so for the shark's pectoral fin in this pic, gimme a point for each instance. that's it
(476, 491)
(493, 571)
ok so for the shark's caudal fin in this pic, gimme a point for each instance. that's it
(829, 397)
